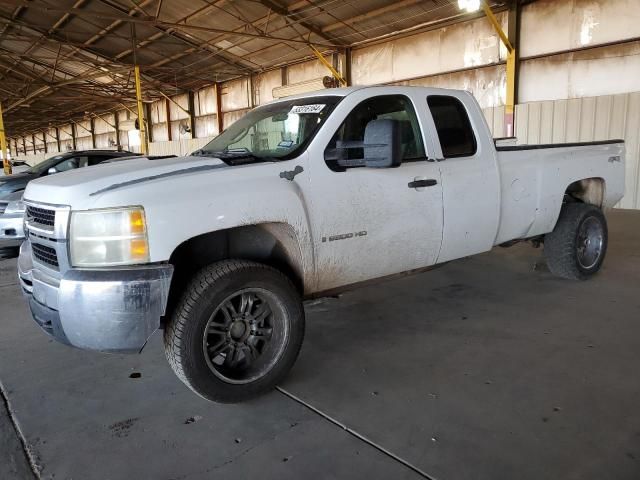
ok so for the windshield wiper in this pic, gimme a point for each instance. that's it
(235, 156)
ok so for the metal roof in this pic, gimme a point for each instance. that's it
(60, 59)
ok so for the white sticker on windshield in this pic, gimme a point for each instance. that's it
(314, 108)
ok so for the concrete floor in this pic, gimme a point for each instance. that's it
(487, 368)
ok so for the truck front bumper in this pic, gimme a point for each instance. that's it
(113, 310)
(11, 230)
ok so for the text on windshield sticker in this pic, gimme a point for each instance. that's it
(314, 108)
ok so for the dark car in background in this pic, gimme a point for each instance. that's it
(12, 187)
(56, 164)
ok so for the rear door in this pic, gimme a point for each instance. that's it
(372, 222)
(470, 175)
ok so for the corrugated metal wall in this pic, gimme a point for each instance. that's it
(178, 147)
(582, 120)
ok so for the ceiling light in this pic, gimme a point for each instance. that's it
(469, 5)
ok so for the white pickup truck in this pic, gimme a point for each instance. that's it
(302, 197)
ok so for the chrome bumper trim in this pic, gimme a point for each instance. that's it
(11, 223)
(114, 310)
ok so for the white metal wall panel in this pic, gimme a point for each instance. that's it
(600, 71)
(51, 135)
(159, 111)
(101, 126)
(124, 139)
(83, 128)
(175, 112)
(206, 126)
(84, 143)
(230, 118)
(488, 84)
(123, 115)
(463, 45)
(576, 23)
(495, 119)
(178, 130)
(264, 84)
(205, 101)
(106, 140)
(235, 95)
(160, 132)
(65, 132)
(178, 147)
(307, 71)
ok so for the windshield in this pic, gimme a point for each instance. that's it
(274, 132)
(46, 165)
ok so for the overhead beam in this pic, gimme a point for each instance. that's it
(282, 11)
(371, 14)
(152, 22)
(162, 32)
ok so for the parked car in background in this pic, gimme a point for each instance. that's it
(12, 188)
(57, 164)
(17, 166)
(11, 218)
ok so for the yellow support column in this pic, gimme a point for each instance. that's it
(509, 107)
(328, 66)
(144, 147)
(3, 146)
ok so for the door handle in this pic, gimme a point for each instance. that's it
(422, 182)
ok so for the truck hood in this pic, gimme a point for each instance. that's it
(80, 186)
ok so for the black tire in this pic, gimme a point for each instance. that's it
(232, 369)
(578, 244)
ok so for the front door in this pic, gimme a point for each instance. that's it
(372, 222)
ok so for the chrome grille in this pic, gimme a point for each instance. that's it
(41, 216)
(45, 254)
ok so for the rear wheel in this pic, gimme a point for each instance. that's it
(236, 332)
(577, 246)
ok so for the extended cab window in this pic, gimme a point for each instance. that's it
(453, 126)
(345, 148)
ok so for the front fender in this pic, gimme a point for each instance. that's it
(180, 208)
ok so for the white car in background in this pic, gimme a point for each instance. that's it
(11, 220)
(17, 166)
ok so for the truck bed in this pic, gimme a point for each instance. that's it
(542, 146)
(534, 179)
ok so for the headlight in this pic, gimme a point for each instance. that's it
(100, 238)
(17, 206)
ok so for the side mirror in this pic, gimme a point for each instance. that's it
(51, 171)
(382, 147)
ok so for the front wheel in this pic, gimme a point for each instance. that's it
(577, 246)
(236, 332)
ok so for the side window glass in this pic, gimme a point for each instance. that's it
(345, 148)
(453, 126)
(95, 160)
(68, 164)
